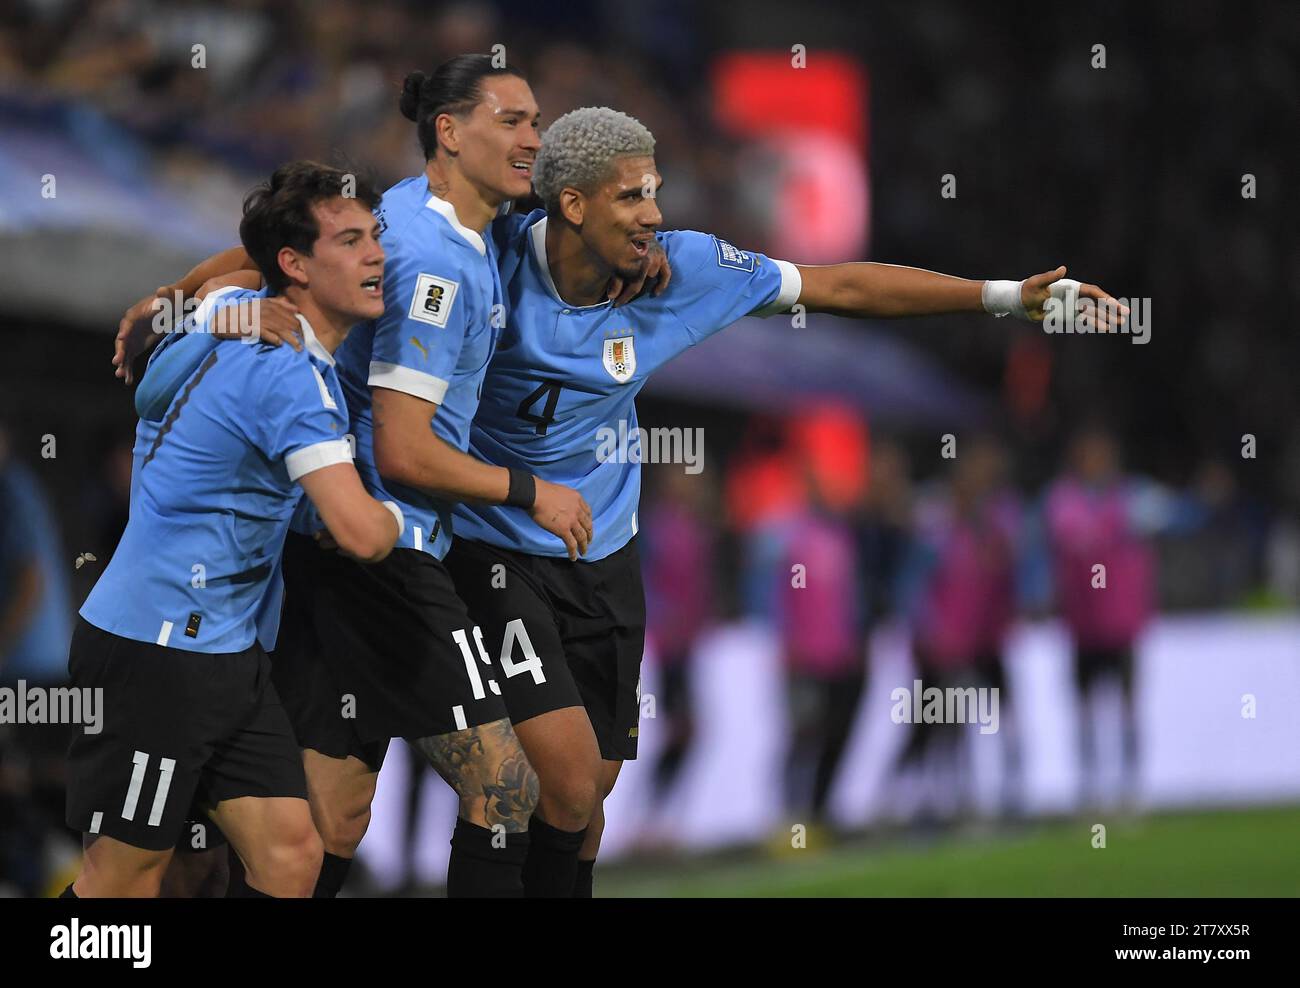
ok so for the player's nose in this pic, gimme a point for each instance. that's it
(650, 216)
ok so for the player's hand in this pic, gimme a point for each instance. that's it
(136, 333)
(274, 320)
(565, 513)
(1090, 305)
(657, 271)
(243, 278)
(326, 541)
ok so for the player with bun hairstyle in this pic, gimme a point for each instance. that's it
(375, 652)
(368, 653)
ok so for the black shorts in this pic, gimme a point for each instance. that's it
(182, 731)
(367, 653)
(575, 631)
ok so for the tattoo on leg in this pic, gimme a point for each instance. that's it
(456, 757)
(487, 768)
(511, 799)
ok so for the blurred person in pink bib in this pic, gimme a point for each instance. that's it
(1103, 571)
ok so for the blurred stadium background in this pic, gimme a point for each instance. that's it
(770, 763)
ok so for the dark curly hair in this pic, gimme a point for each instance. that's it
(278, 213)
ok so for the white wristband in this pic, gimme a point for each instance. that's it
(1002, 298)
(397, 513)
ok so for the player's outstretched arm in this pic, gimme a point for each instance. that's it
(408, 452)
(884, 291)
(362, 527)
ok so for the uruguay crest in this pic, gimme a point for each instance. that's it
(620, 358)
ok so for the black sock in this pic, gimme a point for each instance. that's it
(333, 872)
(480, 870)
(237, 886)
(582, 885)
(551, 867)
(69, 893)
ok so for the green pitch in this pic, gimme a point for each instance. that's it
(1222, 853)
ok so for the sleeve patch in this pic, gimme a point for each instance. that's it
(433, 298)
(733, 257)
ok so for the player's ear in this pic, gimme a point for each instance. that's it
(572, 206)
(445, 126)
(291, 263)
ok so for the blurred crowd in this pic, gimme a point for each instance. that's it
(321, 79)
(823, 534)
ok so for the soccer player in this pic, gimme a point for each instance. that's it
(170, 630)
(561, 385)
(200, 867)
(389, 651)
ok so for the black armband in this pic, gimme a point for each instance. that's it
(523, 489)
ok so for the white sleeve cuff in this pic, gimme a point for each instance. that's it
(791, 287)
(397, 513)
(395, 377)
(309, 459)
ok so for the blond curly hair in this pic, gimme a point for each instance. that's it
(579, 148)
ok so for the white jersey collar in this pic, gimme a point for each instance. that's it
(537, 232)
(448, 212)
(314, 346)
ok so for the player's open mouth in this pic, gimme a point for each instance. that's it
(523, 167)
(642, 245)
(372, 285)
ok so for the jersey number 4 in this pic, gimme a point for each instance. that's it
(551, 391)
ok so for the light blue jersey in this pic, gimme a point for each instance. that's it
(559, 396)
(170, 366)
(442, 314)
(179, 354)
(213, 489)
